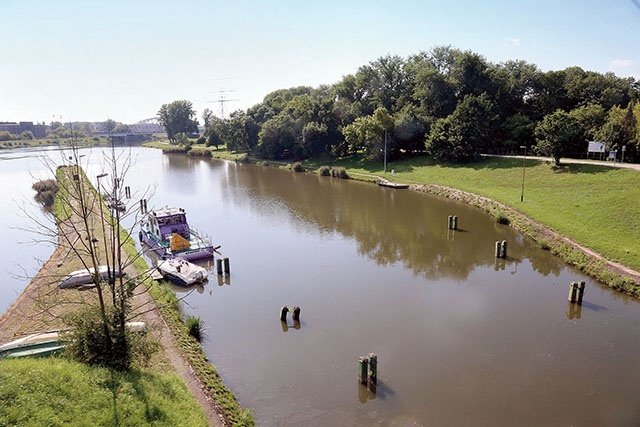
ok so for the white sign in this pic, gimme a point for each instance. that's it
(596, 147)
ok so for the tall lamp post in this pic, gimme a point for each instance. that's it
(524, 167)
(385, 151)
(104, 233)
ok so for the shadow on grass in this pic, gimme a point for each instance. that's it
(138, 382)
(410, 164)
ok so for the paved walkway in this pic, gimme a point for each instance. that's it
(574, 161)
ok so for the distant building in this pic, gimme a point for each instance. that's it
(38, 131)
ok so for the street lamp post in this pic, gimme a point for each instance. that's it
(104, 233)
(385, 151)
(524, 167)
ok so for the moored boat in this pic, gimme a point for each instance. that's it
(168, 233)
(182, 272)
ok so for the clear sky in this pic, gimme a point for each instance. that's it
(86, 60)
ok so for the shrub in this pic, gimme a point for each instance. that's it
(93, 343)
(199, 152)
(340, 173)
(501, 218)
(544, 244)
(324, 171)
(46, 192)
(195, 327)
(297, 167)
(201, 140)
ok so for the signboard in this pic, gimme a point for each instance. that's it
(596, 147)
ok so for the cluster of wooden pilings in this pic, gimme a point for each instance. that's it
(295, 313)
(368, 370)
(219, 266)
(576, 292)
(452, 222)
(501, 249)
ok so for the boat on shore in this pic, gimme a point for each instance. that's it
(182, 272)
(167, 232)
(385, 183)
(84, 278)
(42, 344)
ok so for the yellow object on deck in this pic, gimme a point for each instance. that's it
(179, 243)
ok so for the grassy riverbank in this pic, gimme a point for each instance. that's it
(58, 392)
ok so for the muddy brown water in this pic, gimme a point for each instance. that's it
(461, 338)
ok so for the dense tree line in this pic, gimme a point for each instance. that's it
(449, 103)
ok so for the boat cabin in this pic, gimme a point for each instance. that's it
(167, 221)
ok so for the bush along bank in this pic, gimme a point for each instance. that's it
(613, 275)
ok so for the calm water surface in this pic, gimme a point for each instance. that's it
(461, 339)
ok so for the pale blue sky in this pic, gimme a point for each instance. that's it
(90, 60)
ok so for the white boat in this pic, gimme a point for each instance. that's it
(182, 272)
(40, 344)
(84, 277)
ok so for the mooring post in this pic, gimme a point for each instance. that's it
(498, 249)
(503, 253)
(363, 364)
(580, 292)
(373, 368)
(296, 313)
(573, 289)
(226, 265)
(219, 266)
(455, 222)
(450, 222)
(283, 313)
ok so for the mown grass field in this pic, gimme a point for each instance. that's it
(77, 395)
(597, 206)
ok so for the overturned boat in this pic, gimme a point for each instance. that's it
(182, 272)
(84, 278)
(168, 233)
(49, 343)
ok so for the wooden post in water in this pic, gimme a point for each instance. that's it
(450, 222)
(372, 375)
(296, 313)
(283, 313)
(573, 289)
(219, 266)
(363, 368)
(503, 252)
(226, 265)
(580, 292)
(455, 222)
(498, 249)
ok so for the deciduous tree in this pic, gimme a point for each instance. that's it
(178, 117)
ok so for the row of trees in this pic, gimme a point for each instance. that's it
(449, 103)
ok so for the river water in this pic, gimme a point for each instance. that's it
(461, 339)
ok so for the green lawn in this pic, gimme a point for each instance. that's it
(78, 395)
